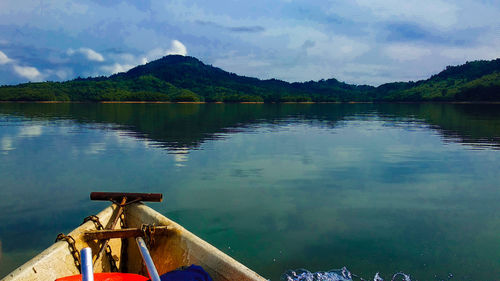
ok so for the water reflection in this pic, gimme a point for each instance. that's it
(377, 188)
(6, 144)
(181, 126)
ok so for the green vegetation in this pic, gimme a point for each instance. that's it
(473, 81)
(186, 79)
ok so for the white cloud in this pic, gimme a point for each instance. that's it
(247, 65)
(249, 61)
(123, 62)
(15, 6)
(319, 39)
(176, 48)
(406, 52)
(338, 47)
(471, 53)
(63, 73)
(128, 61)
(440, 14)
(362, 73)
(320, 43)
(4, 59)
(28, 72)
(117, 68)
(88, 53)
(153, 55)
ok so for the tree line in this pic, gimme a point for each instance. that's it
(186, 79)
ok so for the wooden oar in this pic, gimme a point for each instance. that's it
(123, 233)
(136, 233)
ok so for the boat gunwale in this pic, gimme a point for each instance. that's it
(42, 267)
(58, 250)
(213, 260)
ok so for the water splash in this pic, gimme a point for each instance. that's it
(342, 274)
(305, 275)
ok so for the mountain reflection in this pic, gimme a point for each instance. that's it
(180, 127)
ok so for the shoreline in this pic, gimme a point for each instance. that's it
(259, 102)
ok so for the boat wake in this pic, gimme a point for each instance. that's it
(335, 275)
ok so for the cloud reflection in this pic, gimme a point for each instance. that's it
(6, 144)
(180, 156)
(30, 131)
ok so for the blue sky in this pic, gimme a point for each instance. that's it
(356, 41)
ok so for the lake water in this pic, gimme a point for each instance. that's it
(373, 187)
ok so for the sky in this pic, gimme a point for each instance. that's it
(355, 41)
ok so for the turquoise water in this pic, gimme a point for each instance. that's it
(376, 188)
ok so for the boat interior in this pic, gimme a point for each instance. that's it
(170, 246)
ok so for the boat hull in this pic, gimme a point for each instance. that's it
(177, 248)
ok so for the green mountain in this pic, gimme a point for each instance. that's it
(472, 81)
(181, 78)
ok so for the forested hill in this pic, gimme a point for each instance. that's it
(181, 78)
(472, 81)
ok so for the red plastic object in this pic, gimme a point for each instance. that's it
(107, 277)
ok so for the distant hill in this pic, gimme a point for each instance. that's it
(472, 81)
(214, 84)
(182, 78)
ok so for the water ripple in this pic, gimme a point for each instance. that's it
(342, 274)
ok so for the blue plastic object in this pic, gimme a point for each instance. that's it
(190, 273)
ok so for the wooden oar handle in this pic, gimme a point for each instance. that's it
(123, 233)
(118, 196)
